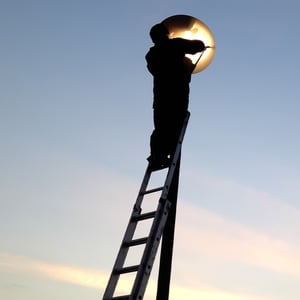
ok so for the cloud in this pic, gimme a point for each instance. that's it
(258, 233)
(245, 204)
(33, 267)
(98, 279)
(213, 232)
(178, 293)
(227, 240)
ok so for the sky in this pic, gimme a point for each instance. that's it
(75, 122)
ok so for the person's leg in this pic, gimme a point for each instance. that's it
(160, 138)
(176, 123)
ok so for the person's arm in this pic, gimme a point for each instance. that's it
(191, 46)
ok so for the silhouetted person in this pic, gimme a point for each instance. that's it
(171, 72)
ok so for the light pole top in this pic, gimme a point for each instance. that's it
(190, 28)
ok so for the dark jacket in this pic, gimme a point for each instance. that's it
(172, 71)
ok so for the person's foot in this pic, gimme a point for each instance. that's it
(158, 163)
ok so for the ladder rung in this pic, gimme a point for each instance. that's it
(136, 242)
(127, 269)
(145, 216)
(127, 297)
(153, 190)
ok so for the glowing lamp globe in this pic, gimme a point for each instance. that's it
(190, 28)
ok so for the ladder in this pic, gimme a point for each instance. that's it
(159, 218)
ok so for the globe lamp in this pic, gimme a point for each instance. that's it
(190, 28)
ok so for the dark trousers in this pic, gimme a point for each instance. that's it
(167, 127)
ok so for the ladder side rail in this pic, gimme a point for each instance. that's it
(158, 225)
(167, 241)
(129, 233)
(150, 251)
(143, 188)
(119, 262)
(176, 156)
(156, 231)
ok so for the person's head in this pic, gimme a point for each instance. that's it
(159, 33)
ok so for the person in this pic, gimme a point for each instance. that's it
(171, 71)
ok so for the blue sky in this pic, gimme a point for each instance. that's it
(75, 122)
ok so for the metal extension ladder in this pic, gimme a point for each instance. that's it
(151, 242)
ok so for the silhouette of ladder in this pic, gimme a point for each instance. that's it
(159, 219)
